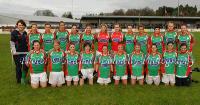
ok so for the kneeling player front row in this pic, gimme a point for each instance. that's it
(171, 67)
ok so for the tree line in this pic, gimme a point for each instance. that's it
(183, 10)
(50, 13)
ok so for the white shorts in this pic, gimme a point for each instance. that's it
(56, 78)
(103, 80)
(40, 77)
(137, 77)
(168, 78)
(87, 73)
(120, 77)
(72, 78)
(151, 79)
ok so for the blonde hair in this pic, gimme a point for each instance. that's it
(104, 26)
(170, 22)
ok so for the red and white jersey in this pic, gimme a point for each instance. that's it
(116, 38)
(103, 39)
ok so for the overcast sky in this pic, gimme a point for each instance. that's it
(81, 7)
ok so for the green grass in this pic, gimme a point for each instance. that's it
(15, 94)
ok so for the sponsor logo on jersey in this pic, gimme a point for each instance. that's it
(153, 62)
(56, 60)
(103, 40)
(170, 40)
(37, 61)
(87, 61)
(105, 63)
(49, 41)
(137, 62)
(129, 41)
(118, 62)
(183, 41)
(72, 62)
(182, 62)
(88, 41)
(169, 60)
(62, 39)
(143, 42)
(116, 40)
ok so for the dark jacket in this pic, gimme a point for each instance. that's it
(20, 41)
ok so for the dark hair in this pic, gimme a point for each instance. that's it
(88, 25)
(137, 44)
(47, 24)
(184, 25)
(157, 26)
(129, 25)
(120, 43)
(35, 41)
(22, 22)
(154, 45)
(104, 46)
(71, 43)
(74, 25)
(61, 22)
(141, 26)
(87, 44)
(170, 42)
(183, 44)
(33, 24)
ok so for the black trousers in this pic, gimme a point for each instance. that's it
(19, 59)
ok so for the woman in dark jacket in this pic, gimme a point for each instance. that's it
(18, 43)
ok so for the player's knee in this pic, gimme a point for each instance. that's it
(43, 84)
(53, 85)
(75, 83)
(35, 86)
(149, 82)
(157, 83)
(59, 85)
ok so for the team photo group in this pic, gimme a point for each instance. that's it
(73, 57)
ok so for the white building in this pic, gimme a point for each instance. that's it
(11, 19)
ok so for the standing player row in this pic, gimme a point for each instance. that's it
(103, 38)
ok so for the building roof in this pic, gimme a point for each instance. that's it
(39, 18)
(133, 17)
